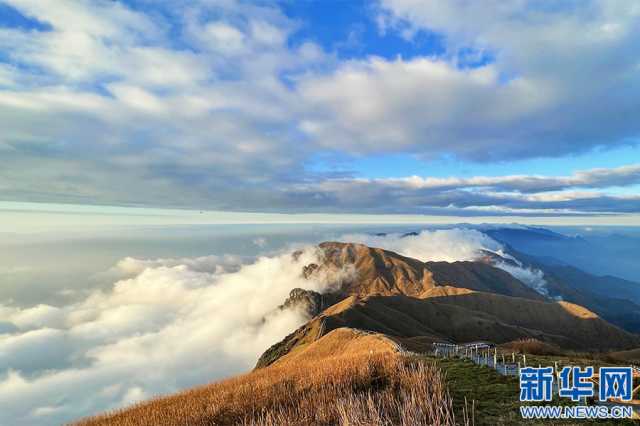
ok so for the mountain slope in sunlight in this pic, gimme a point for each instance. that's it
(346, 377)
(439, 301)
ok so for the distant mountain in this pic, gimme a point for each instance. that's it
(404, 298)
(528, 235)
(599, 254)
(555, 255)
(614, 299)
(605, 286)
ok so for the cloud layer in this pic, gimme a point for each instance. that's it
(447, 245)
(224, 105)
(580, 193)
(165, 325)
(518, 79)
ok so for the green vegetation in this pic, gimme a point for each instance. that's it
(495, 398)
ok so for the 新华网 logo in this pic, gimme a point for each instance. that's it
(611, 385)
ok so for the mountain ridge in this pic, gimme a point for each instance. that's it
(401, 297)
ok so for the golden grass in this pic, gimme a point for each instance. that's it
(631, 356)
(531, 346)
(351, 390)
(343, 341)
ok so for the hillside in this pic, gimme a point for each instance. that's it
(439, 301)
(345, 378)
(461, 315)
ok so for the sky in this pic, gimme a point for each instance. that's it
(513, 109)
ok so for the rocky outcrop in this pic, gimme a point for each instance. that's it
(307, 301)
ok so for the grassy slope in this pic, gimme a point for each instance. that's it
(312, 387)
(367, 383)
(495, 397)
(469, 315)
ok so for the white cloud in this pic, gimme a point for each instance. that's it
(594, 178)
(162, 67)
(130, 266)
(534, 278)
(172, 323)
(218, 105)
(447, 245)
(267, 34)
(100, 19)
(424, 105)
(225, 37)
(113, 94)
(38, 317)
(87, 38)
(545, 81)
(137, 98)
(585, 191)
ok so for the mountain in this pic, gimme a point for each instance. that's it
(614, 299)
(604, 285)
(599, 252)
(600, 294)
(385, 273)
(529, 235)
(412, 301)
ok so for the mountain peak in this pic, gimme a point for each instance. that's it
(376, 271)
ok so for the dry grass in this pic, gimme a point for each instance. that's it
(531, 346)
(632, 356)
(354, 390)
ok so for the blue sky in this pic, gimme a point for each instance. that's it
(348, 29)
(345, 107)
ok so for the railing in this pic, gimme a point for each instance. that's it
(483, 354)
(487, 355)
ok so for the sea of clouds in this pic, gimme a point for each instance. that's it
(171, 323)
(164, 325)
